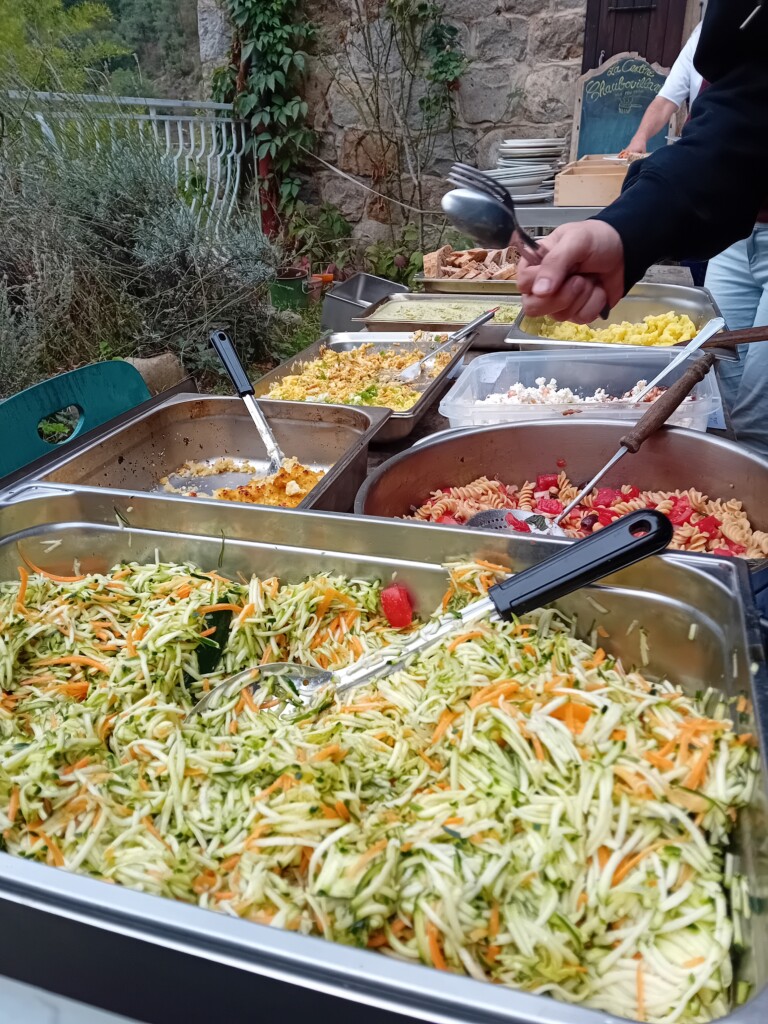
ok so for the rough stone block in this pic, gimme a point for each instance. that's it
(527, 6)
(214, 32)
(341, 193)
(366, 154)
(486, 95)
(500, 38)
(550, 92)
(468, 10)
(558, 38)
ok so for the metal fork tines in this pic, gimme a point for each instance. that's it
(464, 176)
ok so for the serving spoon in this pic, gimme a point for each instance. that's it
(621, 544)
(225, 350)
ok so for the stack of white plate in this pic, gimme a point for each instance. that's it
(528, 166)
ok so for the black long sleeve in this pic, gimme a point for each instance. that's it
(697, 197)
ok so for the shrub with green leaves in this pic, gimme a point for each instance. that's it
(103, 255)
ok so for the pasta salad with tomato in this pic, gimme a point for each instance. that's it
(701, 523)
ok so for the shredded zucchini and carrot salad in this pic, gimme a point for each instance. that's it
(516, 806)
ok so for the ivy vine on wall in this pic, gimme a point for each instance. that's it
(263, 80)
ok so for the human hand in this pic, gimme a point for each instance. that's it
(637, 145)
(581, 273)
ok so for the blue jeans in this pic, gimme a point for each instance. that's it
(738, 280)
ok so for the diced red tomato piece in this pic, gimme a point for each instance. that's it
(605, 516)
(448, 521)
(561, 463)
(550, 506)
(680, 512)
(726, 552)
(736, 549)
(607, 496)
(397, 606)
(519, 525)
(546, 480)
(709, 525)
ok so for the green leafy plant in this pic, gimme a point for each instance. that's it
(316, 237)
(57, 44)
(103, 255)
(399, 261)
(263, 79)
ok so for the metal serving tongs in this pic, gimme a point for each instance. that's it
(225, 350)
(413, 371)
(628, 540)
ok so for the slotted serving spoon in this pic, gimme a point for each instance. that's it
(225, 350)
(628, 540)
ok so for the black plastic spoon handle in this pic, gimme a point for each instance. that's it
(225, 350)
(626, 541)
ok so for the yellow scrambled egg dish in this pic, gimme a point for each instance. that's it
(658, 331)
(358, 376)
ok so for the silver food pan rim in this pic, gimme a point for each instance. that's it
(358, 976)
(643, 289)
(409, 416)
(38, 472)
(365, 314)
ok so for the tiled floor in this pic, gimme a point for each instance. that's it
(22, 1004)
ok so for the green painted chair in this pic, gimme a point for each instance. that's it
(99, 392)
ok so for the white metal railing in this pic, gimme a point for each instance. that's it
(204, 141)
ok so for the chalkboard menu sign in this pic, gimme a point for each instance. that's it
(610, 104)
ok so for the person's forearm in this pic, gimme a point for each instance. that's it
(657, 115)
(696, 198)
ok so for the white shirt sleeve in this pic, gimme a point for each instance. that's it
(683, 81)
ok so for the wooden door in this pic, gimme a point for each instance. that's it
(651, 28)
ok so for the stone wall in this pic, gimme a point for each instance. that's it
(526, 59)
(215, 34)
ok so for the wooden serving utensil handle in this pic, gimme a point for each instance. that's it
(730, 339)
(660, 410)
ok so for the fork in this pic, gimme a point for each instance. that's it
(464, 176)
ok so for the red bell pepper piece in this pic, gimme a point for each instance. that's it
(519, 525)
(397, 606)
(550, 506)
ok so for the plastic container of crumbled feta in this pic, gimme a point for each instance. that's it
(510, 387)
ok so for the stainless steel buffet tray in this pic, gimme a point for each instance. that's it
(673, 458)
(645, 299)
(400, 424)
(136, 455)
(490, 336)
(452, 286)
(162, 961)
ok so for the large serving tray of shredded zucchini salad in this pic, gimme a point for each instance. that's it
(569, 807)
